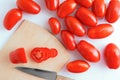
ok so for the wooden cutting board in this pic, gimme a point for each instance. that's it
(30, 35)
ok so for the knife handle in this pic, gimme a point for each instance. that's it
(59, 77)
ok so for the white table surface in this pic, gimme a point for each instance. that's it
(97, 71)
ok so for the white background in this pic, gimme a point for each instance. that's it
(97, 71)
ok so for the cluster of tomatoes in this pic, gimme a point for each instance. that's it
(76, 26)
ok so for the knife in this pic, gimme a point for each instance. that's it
(48, 75)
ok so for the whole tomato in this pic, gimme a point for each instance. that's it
(54, 25)
(78, 66)
(68, 39)
(86, 17)
(66, 8)
(88, 51)
(99, 8)
(74, 26)
(85, 3)
(28, 6)
(113, 11)
(100, 31)
(52, 4)
(112, 56)
(11, 18)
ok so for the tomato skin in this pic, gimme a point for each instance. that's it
(113, 11)
(85, 3)
(100, 31)
(66, 8)
(88, 51)
(75, 26)
(86, 17)
(99, 8)
(68, 39)
(112, 56)
(52, 4)
(18, 56)
(28, 6)
(54, 25)
(11, 18)
(78, 66)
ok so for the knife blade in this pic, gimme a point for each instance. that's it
(48, 75)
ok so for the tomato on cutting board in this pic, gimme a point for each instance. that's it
(39, 54)
(18, 56)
